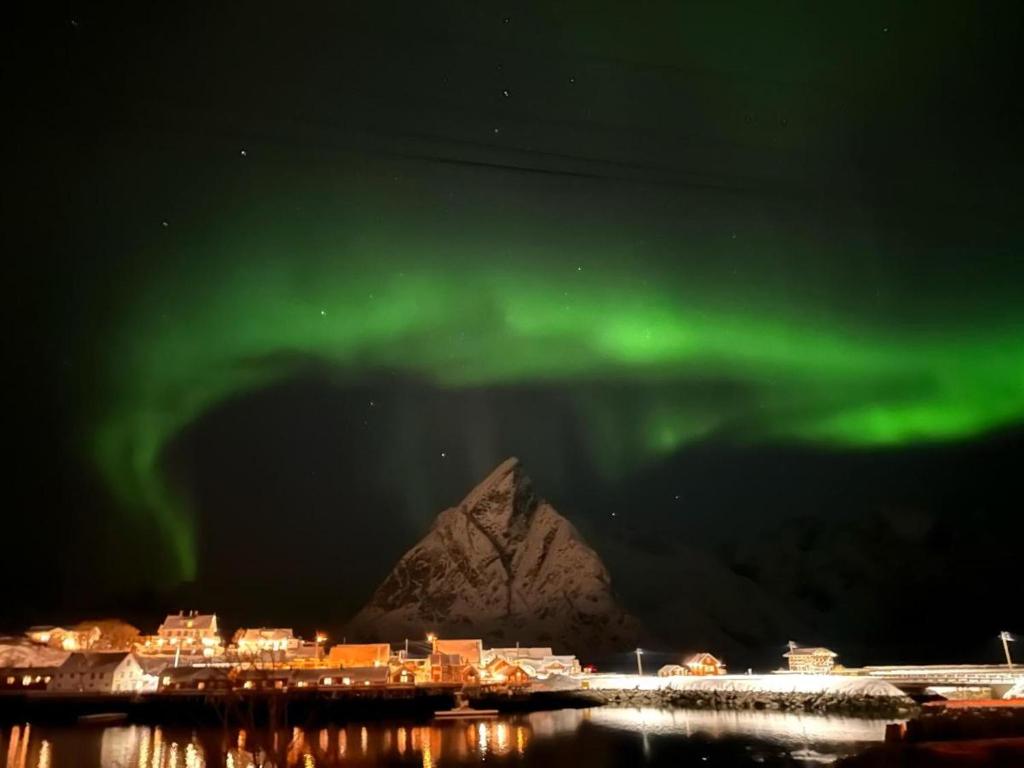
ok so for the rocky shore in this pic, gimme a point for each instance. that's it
(824, 702)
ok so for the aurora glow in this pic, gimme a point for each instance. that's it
(186, 342)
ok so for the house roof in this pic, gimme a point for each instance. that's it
(521, 653)
(359, 654)
(153, 665)
(265, 633)
(196, 621)
(181, 674)
(95, 662)
(469, 649)
(809, 652)
(702, 658)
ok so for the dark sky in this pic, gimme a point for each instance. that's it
(740, 283)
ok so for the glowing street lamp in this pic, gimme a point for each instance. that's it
(432, 639)
(1006, 637)
(321, 638)
(639, 665)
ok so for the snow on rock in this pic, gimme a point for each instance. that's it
(21, 654)
(505, 566)
(847, 685)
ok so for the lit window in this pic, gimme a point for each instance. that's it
(10, 681)
(200, 685)
(328, 681)
(26, 680)
(346, 680)
(248, 684)
(167, 679)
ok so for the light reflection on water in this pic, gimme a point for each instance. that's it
(526, 738)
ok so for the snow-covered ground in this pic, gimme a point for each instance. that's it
(844, 684)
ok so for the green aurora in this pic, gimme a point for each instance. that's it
(188, 341)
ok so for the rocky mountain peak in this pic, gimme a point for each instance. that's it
(505, 566)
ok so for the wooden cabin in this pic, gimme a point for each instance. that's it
(704, 663)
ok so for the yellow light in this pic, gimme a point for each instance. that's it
(328, 681)
(26, 680)
(321, 637)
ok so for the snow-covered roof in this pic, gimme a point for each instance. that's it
(809, 652)
(195, 621)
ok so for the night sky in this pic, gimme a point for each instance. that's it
(742, 285)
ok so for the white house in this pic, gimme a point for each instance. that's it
(118, 672)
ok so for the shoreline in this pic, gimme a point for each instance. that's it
(823, 703)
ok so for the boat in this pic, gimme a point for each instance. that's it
(466, 713)
(462, 711)
(103, 718)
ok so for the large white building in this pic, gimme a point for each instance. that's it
(118, 672)
(191, 634)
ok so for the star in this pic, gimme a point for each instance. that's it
(579, 268)
(444, 455)
(323, 313)
(164, 224)
(505, 93)
(243, 153)
(496, 130)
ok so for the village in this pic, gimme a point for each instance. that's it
(188, 653)
(188, 656)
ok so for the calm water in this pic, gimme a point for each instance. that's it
(579, 738)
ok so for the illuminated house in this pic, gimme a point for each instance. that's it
(350, 677)
(811, 661)
(266, 640)
(25, 678)
(194, 634)
(410, 671)
(359, 655)
(470, 651)
(80, 639)
(673, 670)
(118, 672)
(526, 653)
(565, 664)
(194, 679)
(704, 664)
(507, 672)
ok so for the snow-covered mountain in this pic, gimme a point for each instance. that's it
(505, 566)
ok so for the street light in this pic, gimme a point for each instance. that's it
(639, 665)
(432, 639)
(321, 638)
(1006, 637)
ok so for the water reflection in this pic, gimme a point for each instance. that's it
(512, 737)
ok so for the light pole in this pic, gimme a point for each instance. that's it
(1006, 637)
(639, 665)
